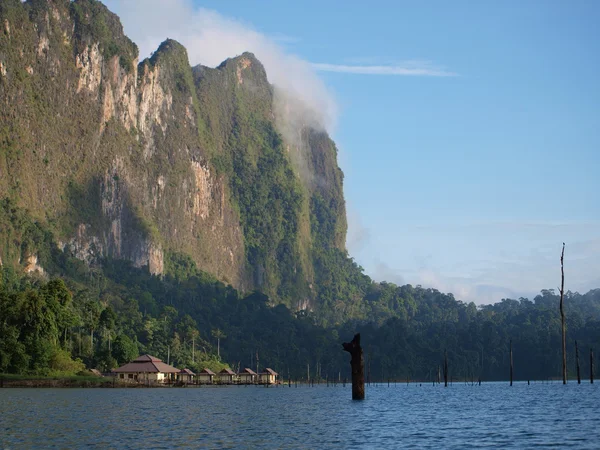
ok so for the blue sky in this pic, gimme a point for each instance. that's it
(469, 132)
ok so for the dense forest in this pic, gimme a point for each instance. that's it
(75, 316)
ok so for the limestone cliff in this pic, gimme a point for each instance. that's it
(146, 160)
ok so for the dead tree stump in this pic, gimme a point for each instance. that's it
(577, 360)
(445, 368)
(511, 364)
(562, 316)
(591, 366)
(358, 369)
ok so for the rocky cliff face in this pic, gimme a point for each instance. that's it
(143, 161)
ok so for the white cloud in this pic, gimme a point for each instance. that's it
(284, 39)
(409, 68)
(210, 38)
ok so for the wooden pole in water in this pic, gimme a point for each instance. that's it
(369, 369)
(445, 368)
(577, 360)
(511, 363)
(357, 364)
(591, 366)
(562, 316)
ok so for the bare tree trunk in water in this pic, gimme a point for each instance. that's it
(591, 366)
(562, 316)
(577, 360)
(445, 368)
(358, 369)
(511, 363)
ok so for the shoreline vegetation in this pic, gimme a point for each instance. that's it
(93, 381)
(33, 381)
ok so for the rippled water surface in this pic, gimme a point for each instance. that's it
(492, 415)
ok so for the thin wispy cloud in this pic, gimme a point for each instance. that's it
(284, 39)
(409, 68)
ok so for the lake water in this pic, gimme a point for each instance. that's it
(492, 415)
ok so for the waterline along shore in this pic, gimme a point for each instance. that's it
(84, 381)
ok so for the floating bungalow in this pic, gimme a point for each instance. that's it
(186, 376)
(150, 369)
(226, 376)
(205, 376)
(269, 376)
(247, 376)
(146, 368)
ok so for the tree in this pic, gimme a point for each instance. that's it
(108, 318)
(193, 336)
(562, 316)
(13, 355)
(59, 301)
(124, 349)
(218, 334)
(107, 323)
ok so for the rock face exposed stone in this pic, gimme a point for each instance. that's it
(31, 265)
(202, 196)
(89, 62)
(133, 160)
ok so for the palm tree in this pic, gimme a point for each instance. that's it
(193, 333)
(217, 333)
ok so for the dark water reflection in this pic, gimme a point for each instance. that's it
(492, 415)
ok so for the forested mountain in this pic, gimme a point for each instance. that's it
(142, 161)
(157, 207)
